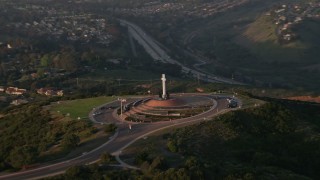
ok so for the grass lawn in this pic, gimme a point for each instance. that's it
(261, 30)
(80, 107)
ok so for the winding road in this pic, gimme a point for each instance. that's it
(123, 137)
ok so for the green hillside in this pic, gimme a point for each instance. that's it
(251, 143)
(247, 44)
(260, 38)
(244, 144)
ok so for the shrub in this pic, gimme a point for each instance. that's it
(110, 128)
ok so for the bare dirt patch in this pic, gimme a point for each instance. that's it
(306, 98)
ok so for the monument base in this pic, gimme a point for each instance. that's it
(172, 102)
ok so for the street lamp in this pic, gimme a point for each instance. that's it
(121, 101)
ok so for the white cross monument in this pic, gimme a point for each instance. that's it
(164, 91)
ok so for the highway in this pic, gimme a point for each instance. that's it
(120, 140)
(157, 53)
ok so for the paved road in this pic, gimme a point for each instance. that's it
(157, 53)
(122, 138)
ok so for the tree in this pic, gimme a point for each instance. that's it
(70, 141)
(110, 128)
(2, 72)
(40, 72)
(73, 172)
(141, 157)
(172, 146)
(21, 156)
(158, 163)
(173, 173)
(69, 62)
(3, 68)
(192, 162)
(45, 61)
(105, 158)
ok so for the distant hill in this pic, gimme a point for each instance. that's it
(261, 38)
(270, 43)
(259, 43)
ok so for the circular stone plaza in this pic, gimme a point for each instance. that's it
(165, 107)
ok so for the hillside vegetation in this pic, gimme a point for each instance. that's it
(29, 134)
(261, 38)
(273, 140)
(247, 45)
(278, 140)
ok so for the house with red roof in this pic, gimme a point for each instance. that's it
(15, 91)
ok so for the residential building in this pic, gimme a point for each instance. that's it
(15, 91)
(50, 92)
(19, 102)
